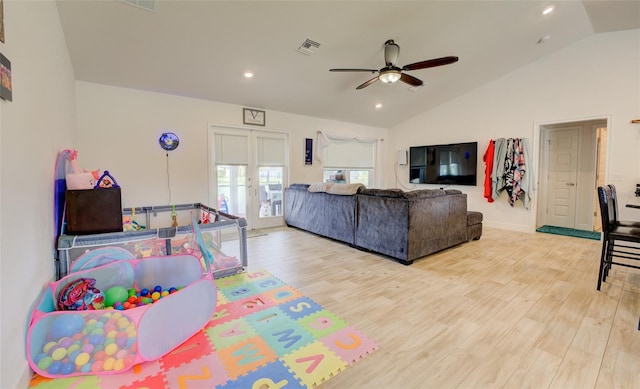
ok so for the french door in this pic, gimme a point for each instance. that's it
(249, 171)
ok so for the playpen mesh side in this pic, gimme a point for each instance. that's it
(171, 271)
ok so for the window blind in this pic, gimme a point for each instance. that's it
(271, 151)
(231, 149)
(349, 154)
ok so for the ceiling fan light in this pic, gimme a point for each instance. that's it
(390, 76)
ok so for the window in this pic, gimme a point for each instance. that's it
(349, 162)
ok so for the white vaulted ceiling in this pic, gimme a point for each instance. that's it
(201, 49)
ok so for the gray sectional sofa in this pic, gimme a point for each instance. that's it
(404, 225)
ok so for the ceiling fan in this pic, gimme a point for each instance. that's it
(390, 73)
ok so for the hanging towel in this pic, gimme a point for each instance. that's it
(497, 174)
(528, 182)
(488, 170)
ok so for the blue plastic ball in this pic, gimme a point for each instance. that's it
(68, 368)
(157, 288)
(66, 325)
(55, 367)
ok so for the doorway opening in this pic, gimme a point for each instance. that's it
(572, 166)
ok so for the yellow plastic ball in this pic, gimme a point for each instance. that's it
(108, 364)
(82, 359)
(111, 349)
(59, 353)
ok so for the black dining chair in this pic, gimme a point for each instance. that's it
(618, 241)
(614, 199)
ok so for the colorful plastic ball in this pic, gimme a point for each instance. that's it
(48, 346)
(68, 368)
(115, 293)
(38, 357)
(108, 363)
(111, 349)
(99, 356)
(86, 368)
(66, 325)
(96, 339)
(59, 353)
(144, 292)
(157, 288)
(87, 348)
(172, 290)
(55, 367)
(65, 342)
(74, 354)
(118, 365)
(155, 296)
(96, 366)
(44, 363)
(82, 359)
(121, 341)
(72, 348)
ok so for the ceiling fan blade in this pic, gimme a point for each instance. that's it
(353, 70)
(411, 80)
(366, 84)
(430, 63)
(391, 52)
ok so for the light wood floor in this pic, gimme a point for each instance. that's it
(512, 310)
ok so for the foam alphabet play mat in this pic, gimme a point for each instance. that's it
(264, 333)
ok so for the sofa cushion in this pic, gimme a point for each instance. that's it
(424, 193)
(299, 186)
(395, 193)
(474, 218)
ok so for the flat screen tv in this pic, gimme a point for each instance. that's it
(452, 164)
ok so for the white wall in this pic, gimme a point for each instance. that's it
(34, 127)
(595, 77)
(118, 130)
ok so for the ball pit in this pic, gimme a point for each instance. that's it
(108, 341)
(85, 348)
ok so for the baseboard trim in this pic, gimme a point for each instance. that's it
(509, 226)
(25, 378)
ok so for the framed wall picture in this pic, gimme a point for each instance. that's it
(253, 116)
(2, 21)
(5, 78)
(308, 151)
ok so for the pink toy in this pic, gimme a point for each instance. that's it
(80, 179)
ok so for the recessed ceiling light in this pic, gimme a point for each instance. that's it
(248, 74)
(548, 10)
(379, 105)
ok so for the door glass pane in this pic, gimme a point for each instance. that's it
(270, 191)
(232, 189)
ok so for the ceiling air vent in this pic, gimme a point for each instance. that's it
(308, 47)
(149, 5)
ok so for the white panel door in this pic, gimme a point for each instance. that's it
(563, 174)
(249, 171)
